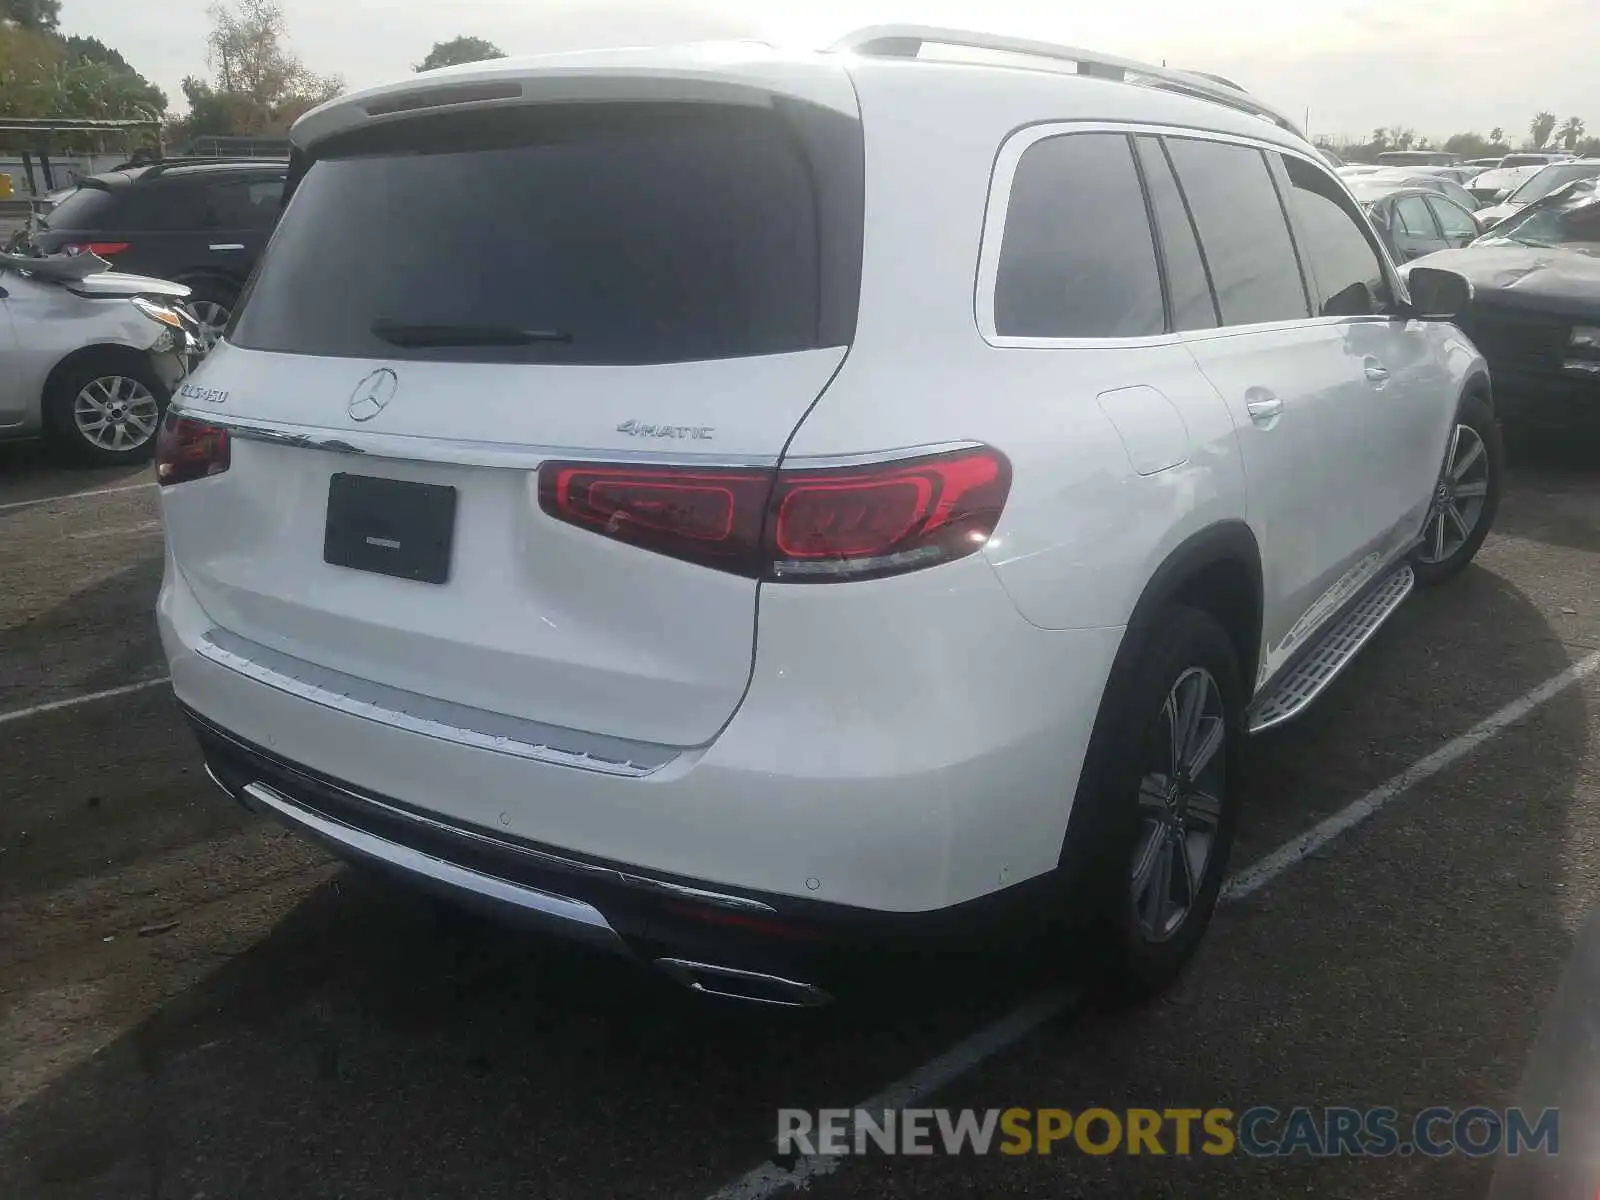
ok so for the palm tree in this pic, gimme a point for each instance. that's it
(1497, 136)
(1542, 127)
(1571, 132)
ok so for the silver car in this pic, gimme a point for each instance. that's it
(89, 357)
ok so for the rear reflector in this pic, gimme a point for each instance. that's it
(188, 449)
(799, 525)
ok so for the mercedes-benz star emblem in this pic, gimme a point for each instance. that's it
(372, 394)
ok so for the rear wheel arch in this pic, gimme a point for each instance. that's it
(1216, 571)
(110, 353)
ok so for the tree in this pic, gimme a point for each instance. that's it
(260, 87)
(1541, 128)
(36, 16)
(1571, 133)
(42, 75)
(1468, 145)
(1380, 139)
(458, 51)
(1497, 136)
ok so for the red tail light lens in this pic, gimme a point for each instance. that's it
(103, 249)
(885, 518)
(797, 525)
(711, 517)
(188, 449)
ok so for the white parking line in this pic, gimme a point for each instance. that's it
(143, 527)
(111, 491)
(771, 1180)
(73, 701)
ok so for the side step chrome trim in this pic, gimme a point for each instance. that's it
(573, 918)
(1331, 653)
(440, 719)
(752, 987)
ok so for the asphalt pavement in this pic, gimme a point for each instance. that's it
(195, 1003)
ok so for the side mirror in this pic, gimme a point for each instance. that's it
(1438, 295)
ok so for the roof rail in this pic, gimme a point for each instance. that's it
(157, 165)
(906, 41)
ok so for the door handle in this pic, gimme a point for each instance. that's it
(1376, 372)
(1265, 410)
(227, 245)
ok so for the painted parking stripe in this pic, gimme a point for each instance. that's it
(73, 701)
(142, 528)
(111, 491)
(769, 1179)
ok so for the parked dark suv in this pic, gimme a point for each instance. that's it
(200, 222)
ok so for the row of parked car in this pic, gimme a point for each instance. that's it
(116, 287)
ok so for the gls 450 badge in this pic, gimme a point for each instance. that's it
(209, 395)
(699, 433)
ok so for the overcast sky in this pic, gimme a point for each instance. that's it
(1439, 66)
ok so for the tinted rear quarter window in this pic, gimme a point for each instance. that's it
(1193, 306)
(1076, 257)
(1242, 230)
(629, 233)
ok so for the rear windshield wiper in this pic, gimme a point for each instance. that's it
(401, 333)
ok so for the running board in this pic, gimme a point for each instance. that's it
(1331, 654)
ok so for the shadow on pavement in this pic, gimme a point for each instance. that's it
(32, 470)
(1554, 492)
(369, 1047)
(102, 636)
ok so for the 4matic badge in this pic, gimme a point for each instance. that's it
(698, 433)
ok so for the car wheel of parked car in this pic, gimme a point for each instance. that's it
(212, 304)
(105, 409)
(1466, 496)
(1163, 783)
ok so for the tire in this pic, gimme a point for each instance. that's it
(1126, 817)
(1467, 465)
(95, 385)
(211, 302)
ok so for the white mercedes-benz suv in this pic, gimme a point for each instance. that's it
(738, 506)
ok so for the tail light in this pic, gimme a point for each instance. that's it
(799, 525)
(188, 449)
(103, 249)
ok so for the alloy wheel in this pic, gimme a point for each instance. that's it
(1180, 806)
(1459, 497)
(212, 319)
(116, 413)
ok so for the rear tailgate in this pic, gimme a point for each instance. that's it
(450, 301)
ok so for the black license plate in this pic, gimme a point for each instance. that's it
(390, 526)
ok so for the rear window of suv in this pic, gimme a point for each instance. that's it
(574, 234)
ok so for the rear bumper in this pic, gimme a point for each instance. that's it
(871, 771)
(749, 945)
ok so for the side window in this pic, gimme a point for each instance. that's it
(1076, 257)
(1453, 219)
(164, 207)
(1193, 305)
(234, 205)
(1242, 230)
(1412, 213)
(1349, 274)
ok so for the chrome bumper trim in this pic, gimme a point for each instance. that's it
(431, 718)
(573, 918)
(545, 858)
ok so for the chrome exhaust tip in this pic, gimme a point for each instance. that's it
(752, 987)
